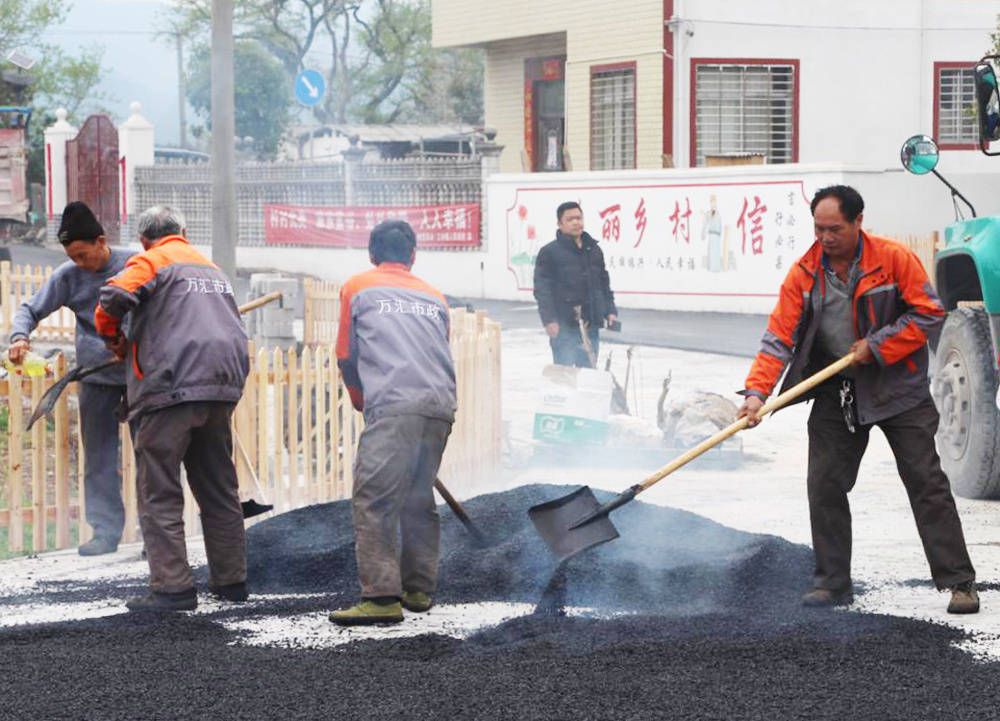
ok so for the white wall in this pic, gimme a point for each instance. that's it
(897, 204)
(866, 68)
(866, 84)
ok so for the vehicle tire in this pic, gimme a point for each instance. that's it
(4, 253)
(964, 386)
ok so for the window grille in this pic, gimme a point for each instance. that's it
(612, 119)
(742, 109)
(956, 110)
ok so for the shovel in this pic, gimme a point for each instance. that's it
(48, 400)
(576, 522)
(251, 508)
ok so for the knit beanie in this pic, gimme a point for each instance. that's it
(78, 223)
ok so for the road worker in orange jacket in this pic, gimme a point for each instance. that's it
(393, 352)
(857, 292)
(186, 363)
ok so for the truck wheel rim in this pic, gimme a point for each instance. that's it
(953, 392)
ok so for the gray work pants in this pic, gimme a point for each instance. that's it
(834, 457)
(396, 524)
(198, 435)
(102, 475)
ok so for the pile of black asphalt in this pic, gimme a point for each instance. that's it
(687, 619)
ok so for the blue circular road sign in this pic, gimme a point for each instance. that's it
(309, 87)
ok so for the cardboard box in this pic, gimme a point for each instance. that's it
(573, 406)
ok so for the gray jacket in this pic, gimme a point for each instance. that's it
(392, 345)
(77, 289)
(187, 341)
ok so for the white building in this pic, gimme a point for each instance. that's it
(659, 83)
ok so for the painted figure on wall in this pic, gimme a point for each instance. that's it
(713, 230)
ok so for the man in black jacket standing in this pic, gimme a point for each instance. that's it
(570, 274)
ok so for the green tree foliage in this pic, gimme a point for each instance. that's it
(22, 22)
(263, 94)
(56, 80)
(449, 88)
(376, 54)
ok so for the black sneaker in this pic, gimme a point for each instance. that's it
(164, 602)
(235, 592)
(98, 546)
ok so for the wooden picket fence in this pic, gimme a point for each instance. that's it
(37, 489)
(294, 441)
(296, 430)
(322, 311)
(18, 284)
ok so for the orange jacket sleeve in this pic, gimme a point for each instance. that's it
(123, 293)
(347, 351)
(781, 336)
(922, 319)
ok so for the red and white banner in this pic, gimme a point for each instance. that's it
(436, 226)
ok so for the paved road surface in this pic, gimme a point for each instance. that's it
(726, 333)
(27, 254)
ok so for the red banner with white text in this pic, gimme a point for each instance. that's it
(436, 226)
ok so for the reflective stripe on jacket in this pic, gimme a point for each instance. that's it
(894, 308)
(392, 345)
(187, 339)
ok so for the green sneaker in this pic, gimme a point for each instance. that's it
(417, 601)
(366, 613)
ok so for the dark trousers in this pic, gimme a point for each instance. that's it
(834, 456)
(102, 474)
(396, 525)
(198, 435)
(567, 347)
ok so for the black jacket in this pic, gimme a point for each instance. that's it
(567, 276)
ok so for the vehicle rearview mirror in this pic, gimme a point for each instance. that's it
(919, 154)
(987, 102)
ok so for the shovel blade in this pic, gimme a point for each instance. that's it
(553, 520)
(251, 508)
(48, 400)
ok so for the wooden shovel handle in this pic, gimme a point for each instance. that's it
(258, 302)
(459, 512)
(772, 405)
(246, 460)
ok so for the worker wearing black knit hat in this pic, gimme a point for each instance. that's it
(75, 285)
(79, 223)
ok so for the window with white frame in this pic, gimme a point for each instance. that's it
(745, 109)
(955, 112)
(612, 117)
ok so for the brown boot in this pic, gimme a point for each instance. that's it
(964, 598)
(821, 597)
